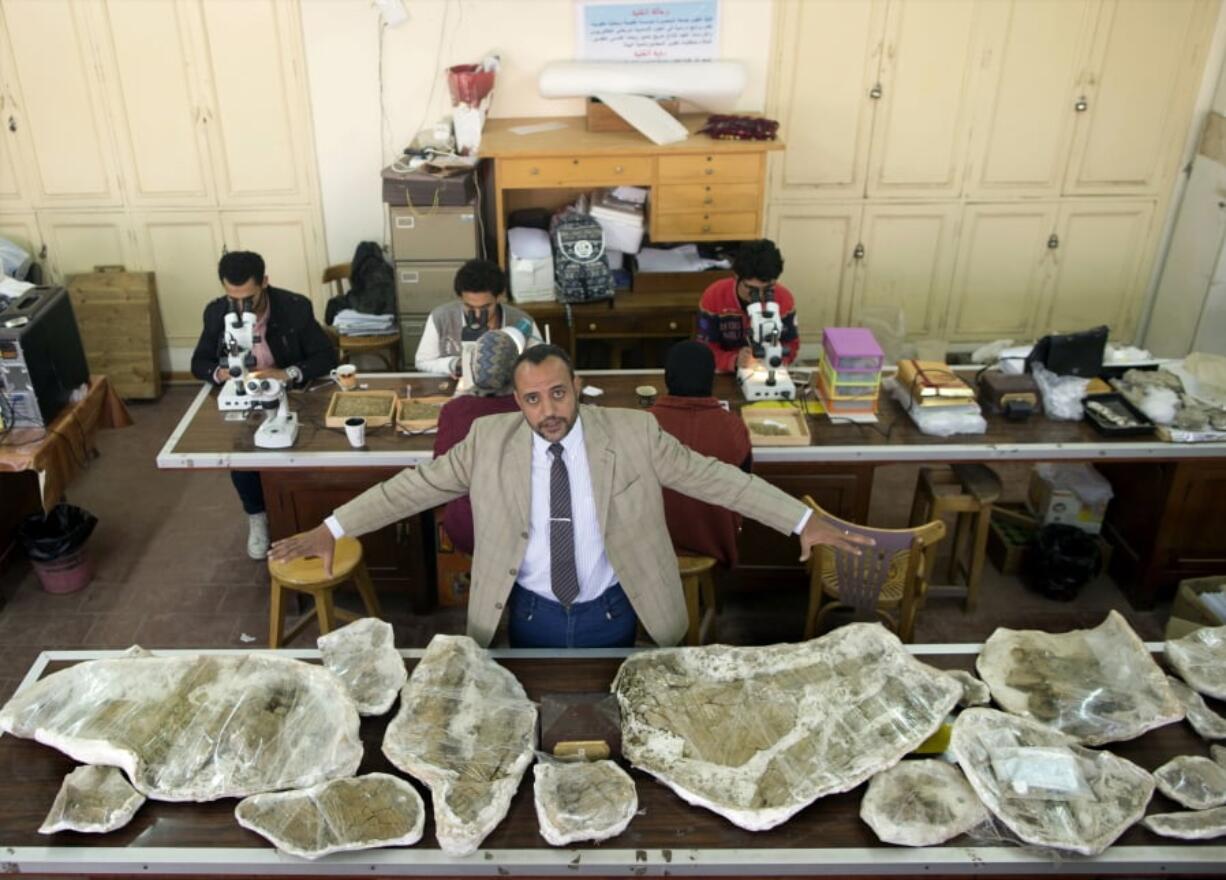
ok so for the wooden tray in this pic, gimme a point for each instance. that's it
(347, 404)
(420, 424)
(795, 429)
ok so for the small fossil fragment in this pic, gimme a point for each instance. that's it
(974, 691)
(1200, 659)
(582, 801)
(1194, 781)
(363, 655)
(1207, 723)
(1197, 825)
(921, 803)
(94, 799)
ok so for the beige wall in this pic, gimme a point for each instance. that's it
(342, 45)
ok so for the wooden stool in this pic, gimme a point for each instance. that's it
(307, 576)
(968, 491)
(699, 585)
(386, 348)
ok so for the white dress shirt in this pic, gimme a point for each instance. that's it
(595, 573)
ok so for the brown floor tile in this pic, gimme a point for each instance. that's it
(185, 630)
(115, 630)
(44, 630)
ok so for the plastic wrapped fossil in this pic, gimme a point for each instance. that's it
(582, 801)
(196, 728)
(921, 803)
(467, 730)
(1196, 782)
(1200, 659)
(338, 816)
(1207, 723)
(93, 799)
(974, 691)
(363, 655)
(1201, 825)
(1099, 685)
(757, 734)
(1044, 786)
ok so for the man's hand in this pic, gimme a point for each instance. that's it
(819, 530)
(279, 375)
(317, 542)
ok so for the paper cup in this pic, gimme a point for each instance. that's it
(355, 430)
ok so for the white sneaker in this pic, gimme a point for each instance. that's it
(257, 535)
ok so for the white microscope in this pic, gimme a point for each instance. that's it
(767, 378)
(280, 427)
(238, 341)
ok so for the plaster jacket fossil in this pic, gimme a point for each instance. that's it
(93, 799)
(1099, 685)
(1194, 781)
(1043, 785)
(921, 803)
(582, 801)
(467, 730)
(338, 816)
(363, 655)
(1200, 659)
(1198, 825)
(196, 728)
(1207, 723)
(757, 734)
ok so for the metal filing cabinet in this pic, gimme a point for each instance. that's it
(428, 246)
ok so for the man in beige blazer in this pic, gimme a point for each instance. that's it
(568, 514)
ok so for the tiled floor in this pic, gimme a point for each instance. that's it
(172, 570)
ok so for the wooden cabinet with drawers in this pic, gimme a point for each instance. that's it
(701, 189)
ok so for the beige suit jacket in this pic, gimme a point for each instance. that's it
(630, 457)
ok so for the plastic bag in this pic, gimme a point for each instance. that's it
(14, 260)
(941, 421)
(56, 534)
(1063, 560)
(1062, 395)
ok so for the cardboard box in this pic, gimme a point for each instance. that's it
(1009, 535)
(1072, 494)
(1187, 604)
(1177, 628)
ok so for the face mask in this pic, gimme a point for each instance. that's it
(476, 322)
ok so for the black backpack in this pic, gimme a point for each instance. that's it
(580, 268)
(372, 285)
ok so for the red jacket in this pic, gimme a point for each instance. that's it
(454, 420)
(697, 528)
(724, 326)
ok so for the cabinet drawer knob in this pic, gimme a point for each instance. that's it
(591, 326)
(1081, 105)
(706, 227)
(618, 169)
(534, 170)
(672, 325)
(708, 201)
(708, 171)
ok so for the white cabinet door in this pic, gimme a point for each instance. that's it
(288, 243)
(14, 194)
(1096, 276)
(999, 272)
(906, 264)
(63, 133)
(183, 249)
(158, 113)
(828, 57)
(1138, 92)
(22, 230)
(259, 135)
(920, 131)
(1024, 107)
(817, 243)
(79, 241)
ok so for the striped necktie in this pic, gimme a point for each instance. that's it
(564, 578)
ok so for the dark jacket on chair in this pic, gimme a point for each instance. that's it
(697, 528)
(293, 335)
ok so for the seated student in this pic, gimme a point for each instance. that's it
(479, 285)
(492, 393)
(697, 419)
(292, 347)
(723, 319)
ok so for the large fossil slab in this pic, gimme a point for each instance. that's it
(756, 734)
(363, 655)
(921, 803)
(92, 799)
(1200, 659)
(1043, 785)
(196, 728)
(1099, 685)
(1207, 723)
(582, 800)
(1201, 825)
(1193, 781)
(337, 816)
(467, 730)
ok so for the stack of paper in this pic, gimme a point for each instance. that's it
(353, 323)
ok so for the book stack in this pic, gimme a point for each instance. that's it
(933, 384)
(849, 372)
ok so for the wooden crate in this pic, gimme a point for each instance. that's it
(601, 118)
(338, 411)
(117, 315)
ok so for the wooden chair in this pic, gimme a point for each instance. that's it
(698, 582)
(889, 579)
(386, 347)
(307, 576)
(968, 491)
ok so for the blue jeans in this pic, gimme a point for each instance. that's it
(250, 491)
(608, 621)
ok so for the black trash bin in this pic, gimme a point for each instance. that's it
(55, 543)
(1062, 560)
